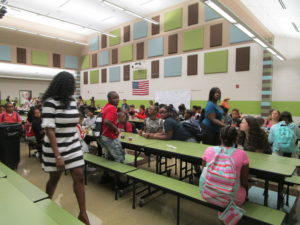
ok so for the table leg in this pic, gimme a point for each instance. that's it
(133, 193)
(135, 158)
(266, 192)
(279, 197)
(180, 169)
(178, 210)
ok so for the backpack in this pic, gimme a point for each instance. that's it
(193, 129)
(97, 131)
(284, 139)
(219, 181)
(16, 116)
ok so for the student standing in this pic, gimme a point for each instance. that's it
(212, 122)
(62, 148)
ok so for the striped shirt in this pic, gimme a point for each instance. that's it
(64, 121)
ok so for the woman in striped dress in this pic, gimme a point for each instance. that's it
(62, 148)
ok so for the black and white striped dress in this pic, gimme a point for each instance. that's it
(64, 121)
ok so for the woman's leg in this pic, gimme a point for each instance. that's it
(78, 187)
(52, 182)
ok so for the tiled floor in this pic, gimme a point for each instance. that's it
(104, 210)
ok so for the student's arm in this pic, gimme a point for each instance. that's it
(161, 136)
(213, 119)
(50, 132)
(111, 126)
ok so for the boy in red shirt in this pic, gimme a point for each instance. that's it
(109, 139)
(9, 116)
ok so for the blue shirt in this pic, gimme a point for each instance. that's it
(209, 109)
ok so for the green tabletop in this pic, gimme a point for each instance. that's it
(28, 189)
(58, 214)
(136, 139)
(136, 120)
(16, 209)
(2, 174)
(257, 160)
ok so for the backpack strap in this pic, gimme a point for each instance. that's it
(229, 151)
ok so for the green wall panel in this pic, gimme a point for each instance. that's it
(117, 40)
(126, 53)
(193, 39)
(216, 62)
(292, 107)
(173, 20)
(39, 58)
(94, 77)
(85, 62)
(139, 74)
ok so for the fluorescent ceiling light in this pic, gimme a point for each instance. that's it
(272, 51)
(5, 27)
(134, 14)
(260, 42)
(220, 11)
(245, 30)
(279, 57)
(27, 31)
(113, 5)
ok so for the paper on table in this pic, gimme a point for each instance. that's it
(171, 146)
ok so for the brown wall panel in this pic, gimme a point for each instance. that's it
(103, 41)
(56, 60)
(140, 50)
(126, 33)
(21, 55)
(155, 28)
(193, 14)
(155, 69)
(126, 72)
(94, 60)
(242, 62)
(192, 65)
(173, 44)
(103, 75)
(85, 77)
(114, 56)
(216, 32)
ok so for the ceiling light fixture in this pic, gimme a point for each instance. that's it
(295, 27)
(60, 20)
(43, 35)
(129, 12)
(282, 4)
(235, 20)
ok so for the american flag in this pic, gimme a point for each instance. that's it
(140, 87)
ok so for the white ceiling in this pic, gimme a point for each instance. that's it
(88, 13)
(275, 18)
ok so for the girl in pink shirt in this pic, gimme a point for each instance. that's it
(228, 137)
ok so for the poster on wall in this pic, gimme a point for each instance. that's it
(25, 95)
(174, 97)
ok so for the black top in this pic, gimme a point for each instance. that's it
(37, 128)
(179, 133)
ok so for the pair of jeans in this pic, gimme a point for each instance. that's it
(113, 149)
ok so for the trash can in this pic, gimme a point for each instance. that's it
(10, 134)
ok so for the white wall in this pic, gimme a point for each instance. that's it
(249, 81)
(286, 74)
(11, 87)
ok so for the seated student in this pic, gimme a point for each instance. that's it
(252, 137)
(81, 133)
(236, 118)
(141, 114)
(272, 119)
(90, 119)
(227, 118)
(132, 111)
(152, 124)
(181, 112)
(9, 115)
(172, 128)
(38, 130)
(286, 122)
(29, 133)
(123, 125)
(188, 118)
(228, 137)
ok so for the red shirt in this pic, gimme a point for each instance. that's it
(13, 118)
(109, 112)
(141, 115)
(28, 129)
(128, 127)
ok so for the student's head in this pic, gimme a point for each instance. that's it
(286, 117)
(61, 88)
(113, 98)
(37, 113)
(275, 114)
(156, 104)
(228, 136)
(9, 107)
(188, 114)
(214, 94)
(165, 112)
(198, 110)
(142, 108)
(93, 98)
(80, 97)
(90, 111)
(124, 100)
(235, 114)
(249, 123)
(150, 102)
(153, 111)
(131, 107)
(122, 117)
